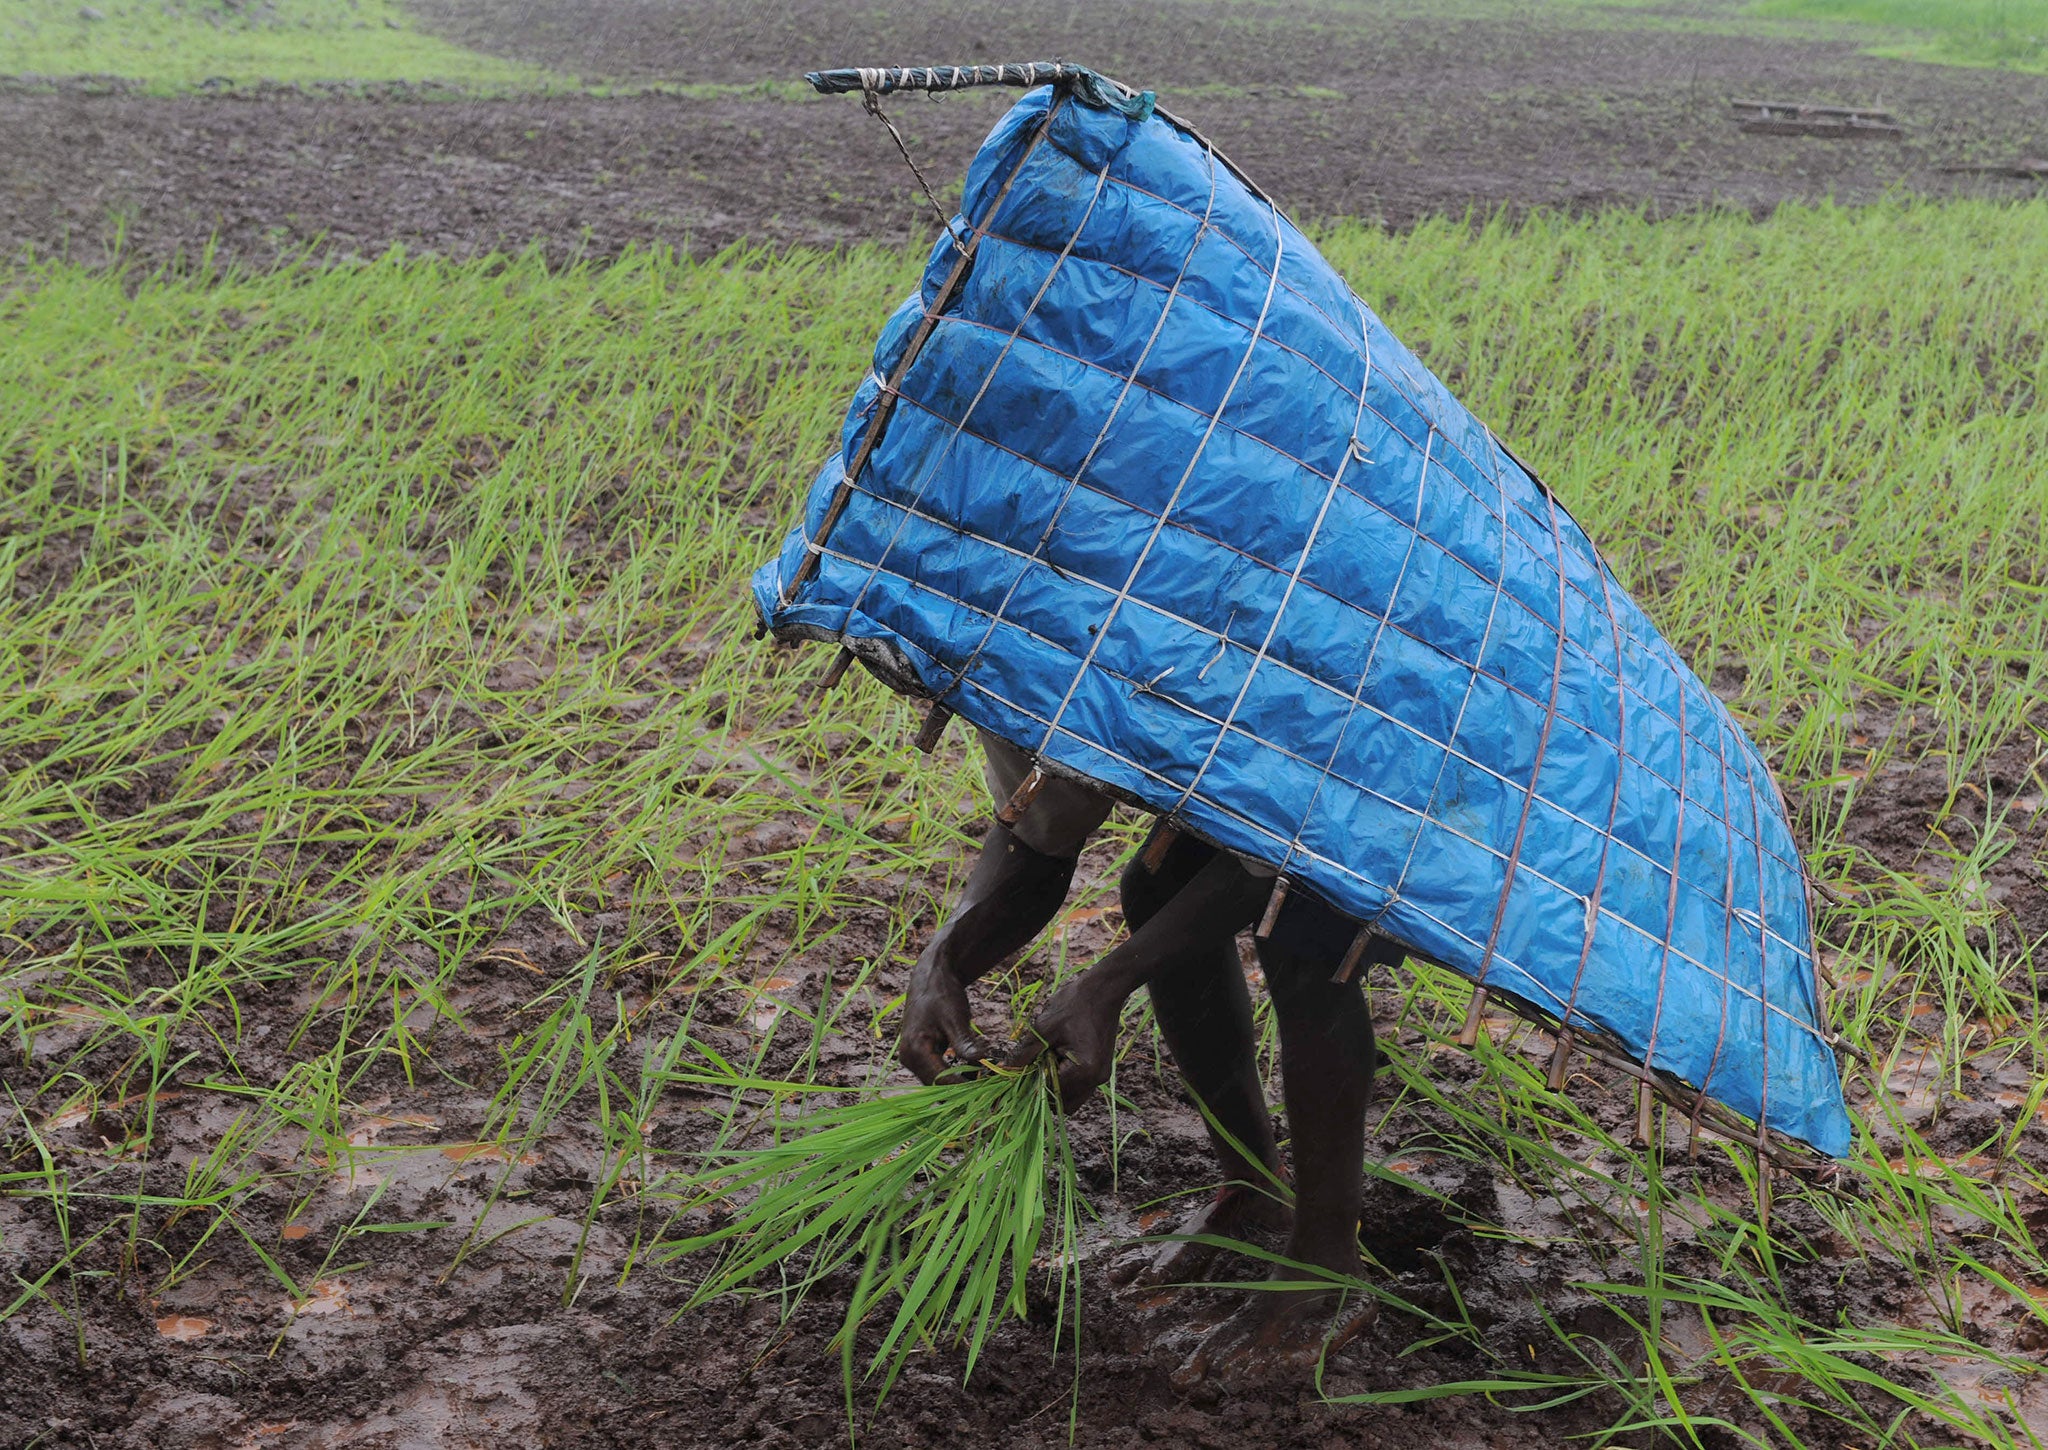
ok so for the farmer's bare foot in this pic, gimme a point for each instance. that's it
(1235, 1212)
(1276, 1337)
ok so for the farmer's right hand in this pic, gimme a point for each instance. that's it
(1078, 1027)
(935, 1020)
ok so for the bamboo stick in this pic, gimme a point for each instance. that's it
(1351, 956)
(1468, 1035)
(934, 726)
(1273, 904)
(1021, 798)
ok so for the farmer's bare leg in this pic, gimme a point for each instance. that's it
(1018, 884)
(1327, 1057)
(1204, 1012)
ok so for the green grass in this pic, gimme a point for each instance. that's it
(365, 617)
(175, 44)
(2010, 33)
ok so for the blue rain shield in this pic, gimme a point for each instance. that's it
(1162, 503)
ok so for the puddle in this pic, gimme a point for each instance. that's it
(485, 1152)
(366, 1131)
(71, 1117)
(183, 1327)
(1983, 1385)
(329, 1296)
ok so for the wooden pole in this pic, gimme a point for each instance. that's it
(1560, 1059)
(934, 726)
(1163, 837)
(1468, 1035)
(1021, 798)
(834, 673)
(1352, 956)
(1273, 904)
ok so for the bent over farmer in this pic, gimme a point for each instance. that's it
(1137, 475)
(1183, 915)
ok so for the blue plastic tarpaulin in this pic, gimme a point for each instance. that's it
(1157, 499)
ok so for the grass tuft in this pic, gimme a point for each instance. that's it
(2010, 33)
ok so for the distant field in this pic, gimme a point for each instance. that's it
(388, 776)
(172, 44)
(593, 125)
(1961, 32)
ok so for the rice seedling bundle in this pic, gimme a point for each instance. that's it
(940, 1199)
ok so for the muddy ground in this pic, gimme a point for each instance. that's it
(1425, 117)
(402, 1352)
(400, 1345)
(1339, 109)
(521, 1344)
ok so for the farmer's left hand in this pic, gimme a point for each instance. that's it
(1078, 1026)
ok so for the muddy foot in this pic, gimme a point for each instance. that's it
(1235, 1212)
(1276, 1337)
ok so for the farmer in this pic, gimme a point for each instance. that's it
(1183, 920)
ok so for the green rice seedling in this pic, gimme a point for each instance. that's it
(942, 1199)
(368, 622)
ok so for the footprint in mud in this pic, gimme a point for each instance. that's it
(1171, 1325)
(1403, 1227)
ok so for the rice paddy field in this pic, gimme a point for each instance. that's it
(449, 967)
(413, 872)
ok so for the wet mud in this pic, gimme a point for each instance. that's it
(508, 1319)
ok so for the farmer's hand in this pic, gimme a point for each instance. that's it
(1012, 893)
(1078, 1026)
(935, 1019)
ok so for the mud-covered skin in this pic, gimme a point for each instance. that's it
(1204, 1011)
(1183, 919)
(1327, 1057)
(1011, 894)
(1275, 1337)
(1079, 1024)
(1233, 1211)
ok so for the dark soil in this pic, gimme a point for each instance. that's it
(1338, 110)
(1909, 818)
(403, 1351)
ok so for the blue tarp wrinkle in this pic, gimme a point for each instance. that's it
(1163, 503)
